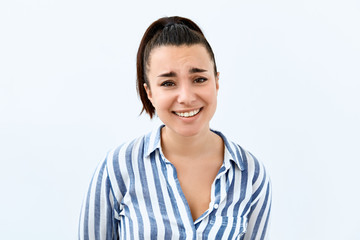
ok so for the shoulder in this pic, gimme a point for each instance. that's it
(119, 163)
(246, 161)
(258, 179)
(124, 155)
(254, 166)
(128, 150)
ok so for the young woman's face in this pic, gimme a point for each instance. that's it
(183, 87)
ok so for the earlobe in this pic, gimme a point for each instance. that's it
(148, 92)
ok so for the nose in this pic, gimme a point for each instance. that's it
(186, 94)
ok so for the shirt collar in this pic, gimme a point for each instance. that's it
(233, 152)
(152, 140)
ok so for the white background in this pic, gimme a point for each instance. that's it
(289, 93)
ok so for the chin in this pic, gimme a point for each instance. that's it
(186, 127)
(188, 131)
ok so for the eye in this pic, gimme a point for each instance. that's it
(167, 84)
(200, 80)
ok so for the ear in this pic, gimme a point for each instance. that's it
(217, 81)
(148, 92)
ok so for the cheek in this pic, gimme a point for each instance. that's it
(210, 95)
(161, 101)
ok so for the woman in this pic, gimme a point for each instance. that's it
(183, 180)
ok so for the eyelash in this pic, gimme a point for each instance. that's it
(170, 83)
(167, 84)
(202, 79)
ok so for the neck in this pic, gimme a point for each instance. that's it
(188, 147)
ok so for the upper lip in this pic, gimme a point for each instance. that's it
(187, 110)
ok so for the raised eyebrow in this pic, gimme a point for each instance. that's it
(197, 70)
(168, 74)
(173, 74)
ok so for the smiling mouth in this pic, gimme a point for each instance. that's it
(188, 114)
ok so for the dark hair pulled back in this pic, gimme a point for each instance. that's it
(172, 31)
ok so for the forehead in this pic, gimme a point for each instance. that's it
(179, 56)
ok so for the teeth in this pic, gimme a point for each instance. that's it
(188, 114)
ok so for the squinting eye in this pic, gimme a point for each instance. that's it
(200, 80)
(167, 84)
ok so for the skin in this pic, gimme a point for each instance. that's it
(182, 79)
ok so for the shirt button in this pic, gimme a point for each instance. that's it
(216, 206)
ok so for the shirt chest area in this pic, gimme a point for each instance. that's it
(156, 198)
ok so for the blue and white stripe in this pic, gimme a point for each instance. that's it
(135, 194)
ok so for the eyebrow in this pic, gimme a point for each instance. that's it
(173, 74)
(168, 74)
(197, 70)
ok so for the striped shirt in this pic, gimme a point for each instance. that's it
(135, 194)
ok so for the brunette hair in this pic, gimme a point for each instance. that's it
(173, 31)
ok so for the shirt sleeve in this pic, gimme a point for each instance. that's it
(96, 217)
(259, 216)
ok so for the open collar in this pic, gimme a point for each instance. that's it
(233, 152)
